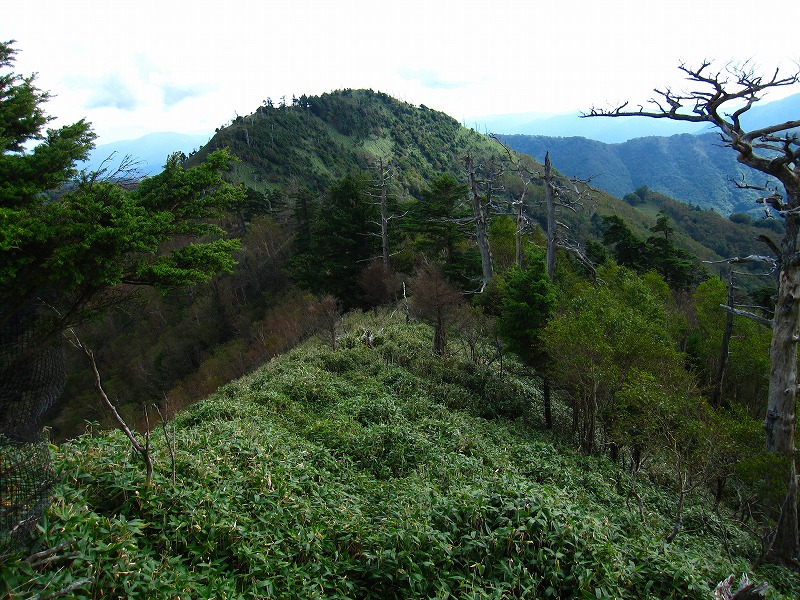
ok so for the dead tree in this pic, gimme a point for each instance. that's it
(552, 224)
(559, 193)
(144, 450)
(482, 189)
(385, 174)
(746, 589)
(721, 98)
(562, 193)
(435, 301)
(527, 177)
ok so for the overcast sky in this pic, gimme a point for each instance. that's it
(133, 68)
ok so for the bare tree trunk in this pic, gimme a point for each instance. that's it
(520, 228)
(439, 337)
(170, 440)
(779, 423)
(518, 238)
(143, 450)
(632, 491)
(718, 493)
(589, 420)
(479, 212)
(548, 407)
(716, 396)
(676, 527)
(384, 204)
(551, 217)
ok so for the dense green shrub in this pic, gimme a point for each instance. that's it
(342, 475)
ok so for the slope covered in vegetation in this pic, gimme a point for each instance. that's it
(373, 470)
(696, 169)
(185, 344)
(317, 139)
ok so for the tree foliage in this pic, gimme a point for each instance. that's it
(746, 377)
(601, 336)
(723, 98)
(345, 237)
(527, 300)
(435, 300)
(438, 224)
(657, 252)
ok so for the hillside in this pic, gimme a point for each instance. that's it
(695, 169)
(318, 139)
(374, 472)
(321, 138)
(183, 345)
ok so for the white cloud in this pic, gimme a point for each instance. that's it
(175, 94)
(191, 66)
(430, 79)
(110, 91)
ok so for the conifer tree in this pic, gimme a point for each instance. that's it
(72, 247)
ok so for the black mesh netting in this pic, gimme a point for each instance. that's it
(31, 380)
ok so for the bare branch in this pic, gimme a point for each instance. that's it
(747, 315)
(578, 252)
(770, 244)
(144, 451)
(743, 259)
(69, 589)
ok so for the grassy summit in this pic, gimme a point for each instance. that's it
(373, 471)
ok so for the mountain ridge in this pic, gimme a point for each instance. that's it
(376, 471)
(695, 169)
(618, 163)
(621, 129)
(293, 156)
(148, 152)
(324, 137)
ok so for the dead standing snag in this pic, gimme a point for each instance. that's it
(722, 98)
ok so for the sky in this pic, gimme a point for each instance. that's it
(133, 68)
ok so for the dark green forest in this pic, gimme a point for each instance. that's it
(351, 407)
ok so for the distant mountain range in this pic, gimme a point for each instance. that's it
(621, 129)
(150, 151)
(691, 164)
(695, 169)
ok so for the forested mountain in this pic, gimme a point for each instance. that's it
(438, 369)
(696, 169)
(184, 344)
(315, 140)
(681, 160)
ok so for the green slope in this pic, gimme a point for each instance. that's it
(372, 472)
(321, 138)
(186, 345)
(695, 169)
(318, 139)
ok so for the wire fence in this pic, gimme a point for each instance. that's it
(32, 375)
